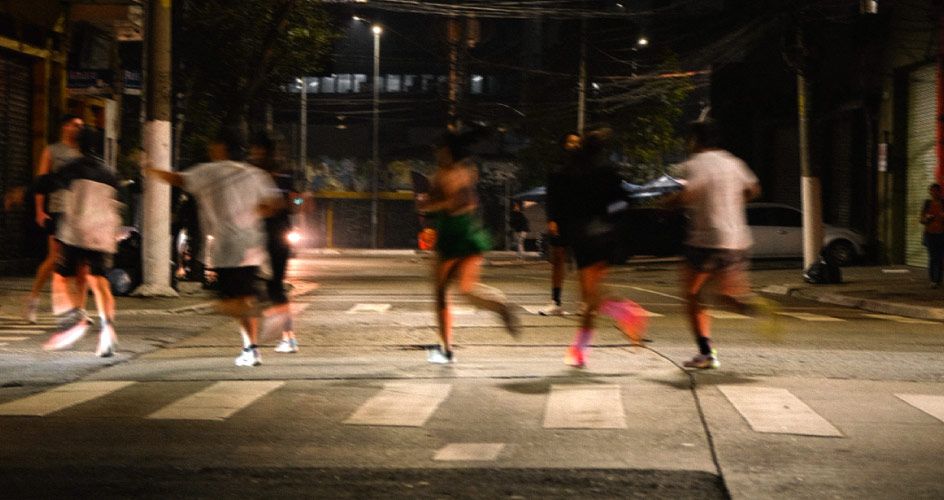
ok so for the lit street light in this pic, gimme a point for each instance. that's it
(377, 30)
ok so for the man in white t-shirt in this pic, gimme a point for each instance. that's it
(233, 198)
(716, 189)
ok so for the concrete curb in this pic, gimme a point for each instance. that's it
(872, 305)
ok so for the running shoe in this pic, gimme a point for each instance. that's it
(552, 309)
(576, 357)
(287, 346)
(32, 310)
(512, 323)
(704, 361)
(107, 341)
(249, 357)
(68, 337)
(437, 356)
(630, 317)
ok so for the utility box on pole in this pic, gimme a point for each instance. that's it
(155, 251)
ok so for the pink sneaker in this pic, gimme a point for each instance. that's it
(576, 357)
(67, 338)
(630, 317)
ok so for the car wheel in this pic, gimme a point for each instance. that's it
(842, 252)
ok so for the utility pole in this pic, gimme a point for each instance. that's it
(302, 124)
(375, 141)
(156, 259)
(455, 37)
(810, 188)
(582, 79)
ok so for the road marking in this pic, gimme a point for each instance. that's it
(23, 332)
(726, 315)
(469, 452)
(463, 310)
(674, 297)
(777, 411)
(928, 403)
(584, 407)
(810, 316)
(401, 404)
(217, 402)
(12, 339)
(369, 308)
(60, 398)
(901, 319)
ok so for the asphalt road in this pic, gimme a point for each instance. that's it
(838, 403)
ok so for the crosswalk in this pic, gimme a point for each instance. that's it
(14, 329)
(417, 403)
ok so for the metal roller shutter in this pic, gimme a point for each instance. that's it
(15, 149)
(922, 157)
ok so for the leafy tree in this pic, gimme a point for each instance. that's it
(233, 56)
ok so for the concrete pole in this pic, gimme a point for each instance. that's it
(157, 154)
(302, 124)
(375, 140)
(810, 188)
(582, 79)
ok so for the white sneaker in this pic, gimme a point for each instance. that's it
(107, 342)
(287, 346)
(436, 356)
(553, 309)
(249, 357)
(32, 310)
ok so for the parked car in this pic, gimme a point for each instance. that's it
(648, 230)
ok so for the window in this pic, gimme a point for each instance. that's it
(410, 83)
(477, 84)
(344, 83)
(787, 217)
(328, 84)
(359, 80)
(393, 83)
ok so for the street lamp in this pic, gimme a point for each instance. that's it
(377, 30)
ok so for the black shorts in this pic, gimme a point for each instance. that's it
(71, 258)
(237, 282)
(558, 241)
(52, 223)
(709, 260)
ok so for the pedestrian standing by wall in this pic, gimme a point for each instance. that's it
(519, 227)
(278, 318)
(932, 217)
(717, 187)
(555, 208)
(460, 240)
(593, 190)
(233, 198)
(87, 226)
(49, 206)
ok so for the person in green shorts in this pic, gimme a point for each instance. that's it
(460, 239)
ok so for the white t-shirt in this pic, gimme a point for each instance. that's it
(715, 182)
(228, 195)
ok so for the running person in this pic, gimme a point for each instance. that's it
(86, 232)
(460, 240)
(555, 207)
(278, 226)
(233, 199)
(594, 194)
(49, 205)
(717, 187)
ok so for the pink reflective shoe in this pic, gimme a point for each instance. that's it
(630, 318)
(576, 357)
(67, 338)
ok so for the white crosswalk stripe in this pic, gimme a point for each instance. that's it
(584, 407)
(217, 402)
(57, 399)
(778, 411)
(401, 404)
(726, 315)
(930, 404)
(901, 319)
(369, 308)
(469, 452)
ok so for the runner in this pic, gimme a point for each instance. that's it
(87, 229)
(49, 205)
(717, 187)
(233, 199)
(278, 318)
(461, 240)
(594, 195)
(555, 207)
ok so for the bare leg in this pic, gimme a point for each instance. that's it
(558, 260)
(443, 273)
(484, 296)
(45, 269)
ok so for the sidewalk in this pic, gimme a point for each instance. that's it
(899, 290)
